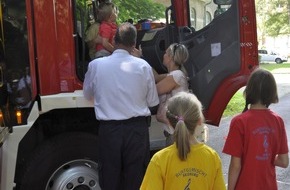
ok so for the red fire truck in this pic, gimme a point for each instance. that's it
(49, 131)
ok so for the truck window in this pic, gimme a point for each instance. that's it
(202, 13)
(15, 67)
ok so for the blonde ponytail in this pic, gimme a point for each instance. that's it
(184, 113)
(182, 137)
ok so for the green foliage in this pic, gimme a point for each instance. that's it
(128, 9)
(273, 17)
(278, 23)
(139, 9)
(235, 105)
(82, 11)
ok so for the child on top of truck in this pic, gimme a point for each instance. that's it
(107, 15)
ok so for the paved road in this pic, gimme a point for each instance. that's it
(217, 134)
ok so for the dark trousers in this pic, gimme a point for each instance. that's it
(123, 153)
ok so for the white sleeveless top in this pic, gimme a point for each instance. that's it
(180, 78)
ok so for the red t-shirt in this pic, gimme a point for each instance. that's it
(107, 30)
(256, 136)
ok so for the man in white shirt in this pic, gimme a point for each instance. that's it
(123, 88)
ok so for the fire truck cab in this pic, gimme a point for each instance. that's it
(48, 129)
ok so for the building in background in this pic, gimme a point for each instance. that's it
(280, 44)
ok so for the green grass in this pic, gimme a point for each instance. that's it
(272, 66)
(237, 103)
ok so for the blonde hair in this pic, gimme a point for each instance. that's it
(179, 54)
(184, 112)
(105, 10)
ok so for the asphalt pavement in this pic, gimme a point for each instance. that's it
(217, 135)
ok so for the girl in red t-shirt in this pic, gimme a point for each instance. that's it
(257, 140)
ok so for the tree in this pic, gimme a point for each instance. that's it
(261, 17)
(139, 9)
(128, 9)
(278, 21)
(273, 17)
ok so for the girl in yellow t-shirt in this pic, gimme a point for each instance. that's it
(187, 164)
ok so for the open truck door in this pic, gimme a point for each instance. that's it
(223, 50)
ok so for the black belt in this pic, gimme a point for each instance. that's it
(127, 121)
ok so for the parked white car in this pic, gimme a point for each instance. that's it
(266, 56)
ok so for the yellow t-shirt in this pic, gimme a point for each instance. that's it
(202, 170)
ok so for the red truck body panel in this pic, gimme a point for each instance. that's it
(52, 38)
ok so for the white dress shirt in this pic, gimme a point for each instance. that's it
(121, 85)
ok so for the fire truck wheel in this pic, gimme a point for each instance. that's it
(67, 161)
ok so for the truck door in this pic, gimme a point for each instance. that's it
(221, 39)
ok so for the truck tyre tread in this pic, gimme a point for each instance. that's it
(52, 154)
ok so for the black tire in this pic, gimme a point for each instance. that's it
(67, 159)
(278, 61)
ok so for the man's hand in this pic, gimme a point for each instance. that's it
(137, 52)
